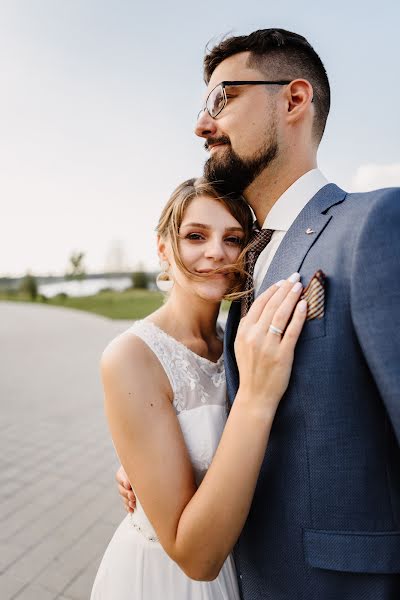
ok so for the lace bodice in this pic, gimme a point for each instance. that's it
(194, 380)
(199, 399)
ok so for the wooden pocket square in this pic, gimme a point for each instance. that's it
(314, 293)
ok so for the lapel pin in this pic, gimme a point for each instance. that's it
(309, 230)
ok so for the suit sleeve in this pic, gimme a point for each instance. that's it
(375, 297)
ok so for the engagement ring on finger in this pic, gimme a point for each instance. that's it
(275, 330)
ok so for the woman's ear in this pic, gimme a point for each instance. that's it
(161, 249)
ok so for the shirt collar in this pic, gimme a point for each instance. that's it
(293, 200)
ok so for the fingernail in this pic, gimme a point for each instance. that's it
(279, 283)
(302, 305)
(127, 485)
(131, 505)
(294, 277)
(297, 287)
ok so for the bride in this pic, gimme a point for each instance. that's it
(193, 469)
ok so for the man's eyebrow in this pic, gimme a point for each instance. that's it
(238, 88)
(204, 226)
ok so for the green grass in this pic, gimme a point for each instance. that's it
(130, 304)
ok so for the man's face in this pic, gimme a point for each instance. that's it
(243, 138)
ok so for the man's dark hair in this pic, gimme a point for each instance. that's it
(280, 54)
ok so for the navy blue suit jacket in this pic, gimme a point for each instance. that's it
(325, 518)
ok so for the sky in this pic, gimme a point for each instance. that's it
(98, 106)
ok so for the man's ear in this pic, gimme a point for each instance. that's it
(299, 96)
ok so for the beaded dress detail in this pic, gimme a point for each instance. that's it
(135, 566)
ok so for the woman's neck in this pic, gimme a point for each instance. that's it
(191, 320)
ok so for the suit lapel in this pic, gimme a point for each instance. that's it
(297, 242)
(288, 259)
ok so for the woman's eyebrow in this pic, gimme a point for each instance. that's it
(204, 226)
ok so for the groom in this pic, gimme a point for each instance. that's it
(325, 519)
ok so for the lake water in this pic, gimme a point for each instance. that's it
(86, 287)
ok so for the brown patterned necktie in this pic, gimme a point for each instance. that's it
(259, 240)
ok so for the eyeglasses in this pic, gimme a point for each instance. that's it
(217, 98)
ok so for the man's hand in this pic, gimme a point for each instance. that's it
(125, 490)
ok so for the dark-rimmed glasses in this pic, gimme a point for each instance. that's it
(217, 98)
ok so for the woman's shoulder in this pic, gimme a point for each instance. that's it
(129, 358)
(124, 346)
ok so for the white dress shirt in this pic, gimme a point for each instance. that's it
(283, 214)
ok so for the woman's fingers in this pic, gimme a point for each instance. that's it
(281, 317)
(128, 498)
(279, 308)
(274, 308)
(125, 490)
(122, 478)
(258, 305)
(124, 495)
(295, 326)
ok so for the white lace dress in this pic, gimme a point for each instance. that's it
(135, 566)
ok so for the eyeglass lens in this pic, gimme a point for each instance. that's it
(216, 101)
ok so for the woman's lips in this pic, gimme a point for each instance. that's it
(213, 273)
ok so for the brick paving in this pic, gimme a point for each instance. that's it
(58, 502)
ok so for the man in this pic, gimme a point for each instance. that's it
(325, 519)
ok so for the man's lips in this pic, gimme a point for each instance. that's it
(214, 146)
(214, 143)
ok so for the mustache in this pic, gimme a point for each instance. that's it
(221, 140)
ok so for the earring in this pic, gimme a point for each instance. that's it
(164, 280)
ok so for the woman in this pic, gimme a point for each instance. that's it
(165, 401)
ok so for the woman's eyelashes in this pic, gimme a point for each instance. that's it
(232, 240)
(195, 236)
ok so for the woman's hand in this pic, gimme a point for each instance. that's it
(265, 358)
(125, 490)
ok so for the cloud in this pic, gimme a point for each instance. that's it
(372, 176)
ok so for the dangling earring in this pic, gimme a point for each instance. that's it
(164, 280)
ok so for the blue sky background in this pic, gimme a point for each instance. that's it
(99, 101)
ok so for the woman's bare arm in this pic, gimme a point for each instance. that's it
(199, 527)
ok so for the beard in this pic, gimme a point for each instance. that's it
(231, 174)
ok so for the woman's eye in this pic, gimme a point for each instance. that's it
(236, 241)
(194, 236)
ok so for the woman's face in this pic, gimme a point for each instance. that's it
(209, 238)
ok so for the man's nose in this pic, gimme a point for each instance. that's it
(205, 126)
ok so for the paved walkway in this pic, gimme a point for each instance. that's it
(58, 502)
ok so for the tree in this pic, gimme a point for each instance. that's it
(76, 268)
(140, 280)
(29, 286)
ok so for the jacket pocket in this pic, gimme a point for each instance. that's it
(355, 552)
(314, 328)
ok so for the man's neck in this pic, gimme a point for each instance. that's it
(269, 186)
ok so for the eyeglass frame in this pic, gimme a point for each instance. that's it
(236, 83)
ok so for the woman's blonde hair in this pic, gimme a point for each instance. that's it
(172, 216)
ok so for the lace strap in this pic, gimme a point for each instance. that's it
(161, 346)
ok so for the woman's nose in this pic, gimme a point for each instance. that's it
(215, 250)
